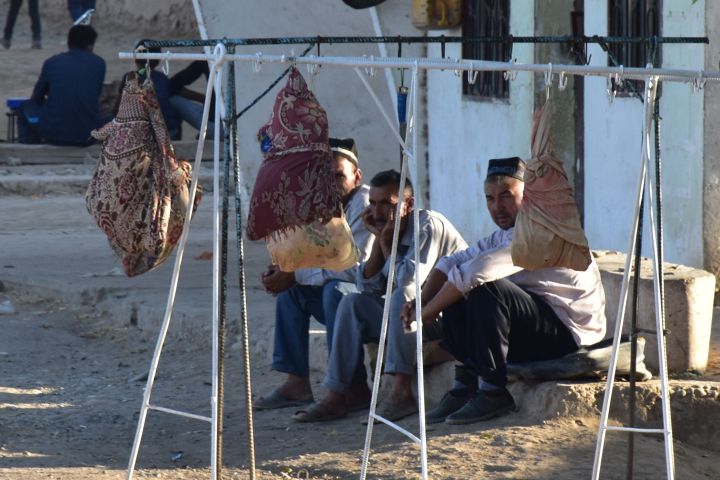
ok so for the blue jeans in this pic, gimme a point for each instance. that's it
(191, 112)
(33, 11)
(293, 310)
(78, 7)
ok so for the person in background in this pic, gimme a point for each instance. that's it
(161, 84)
(64, 106)
(35, 26)
(188, 104)
(314, 291)
(78, 7)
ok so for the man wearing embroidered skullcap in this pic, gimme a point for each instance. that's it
(314, 292)
(494, 312)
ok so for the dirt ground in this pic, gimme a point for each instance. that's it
(69, 402)
(69, 409)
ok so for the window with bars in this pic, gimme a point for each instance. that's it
(487, 18)
(632, 18)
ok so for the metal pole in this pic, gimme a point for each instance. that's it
(603, 427)
(173, 281)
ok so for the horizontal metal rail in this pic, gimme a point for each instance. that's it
(636, 429)
(419, 39)
(396, 427)
(456, 65)
(180, 413)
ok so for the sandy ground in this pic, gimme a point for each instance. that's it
(68, 404)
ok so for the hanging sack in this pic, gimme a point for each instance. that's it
(547, 229)
(295, 204)
(139, 193)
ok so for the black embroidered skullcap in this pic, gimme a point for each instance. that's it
(345, 147)
(508, 167)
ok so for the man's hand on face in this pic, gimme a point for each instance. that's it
(276, 281)
(369, 221)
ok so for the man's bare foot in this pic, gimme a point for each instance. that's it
(358, 397)
(401, 391)
(296, 388)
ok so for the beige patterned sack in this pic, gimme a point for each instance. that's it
(139, 193)
(327, 245)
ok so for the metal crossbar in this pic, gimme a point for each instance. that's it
(418, 39)
(652, 77)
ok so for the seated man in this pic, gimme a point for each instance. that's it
(161, 85)
(494, 312)
(64, 107)
(314, 292)
(188, 104)
(359, 316)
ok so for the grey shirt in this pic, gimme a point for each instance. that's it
(438, 238)
(363, 241)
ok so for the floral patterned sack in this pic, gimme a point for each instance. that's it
(295, 204)
(139, 193)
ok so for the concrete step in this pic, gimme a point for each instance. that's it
(43, 154)
(61, 179)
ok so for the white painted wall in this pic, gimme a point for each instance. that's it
(464, 133)
(613, 142)
(351, 111)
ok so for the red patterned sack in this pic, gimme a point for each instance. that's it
(139, 193)
(295, 184)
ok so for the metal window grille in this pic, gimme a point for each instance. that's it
(633, 18)
(487, 18)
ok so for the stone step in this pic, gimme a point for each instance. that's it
(43, 154)
(689, 297)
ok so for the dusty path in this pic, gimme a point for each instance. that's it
(68, 410)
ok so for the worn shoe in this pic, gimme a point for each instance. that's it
(393, 411)
(483, 405)
(277, 400)
(451, 402)
(6, 42)
(37, 44)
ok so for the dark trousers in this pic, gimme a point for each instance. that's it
(498, 323)
(78, 7)
(33, 11)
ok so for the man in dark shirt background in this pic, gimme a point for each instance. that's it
(64, 106)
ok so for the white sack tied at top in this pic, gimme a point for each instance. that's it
(548, 232)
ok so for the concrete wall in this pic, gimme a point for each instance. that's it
(465, 133)
(351, 111)
(172, 17)
(711, 145)
(613, 140)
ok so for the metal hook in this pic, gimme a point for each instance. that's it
(562, 82)
(548, 81)
(370, 71)
(619, 76)
(610, 89)
(166, 63)
(508, 74)
(698, 83)
(257, 63)
(312, 68)
(472, 76)
(457, 71)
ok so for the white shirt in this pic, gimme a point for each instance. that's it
(357, 203)
(577, 298)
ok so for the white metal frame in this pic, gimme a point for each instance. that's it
(214, 82)
(652, 76)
